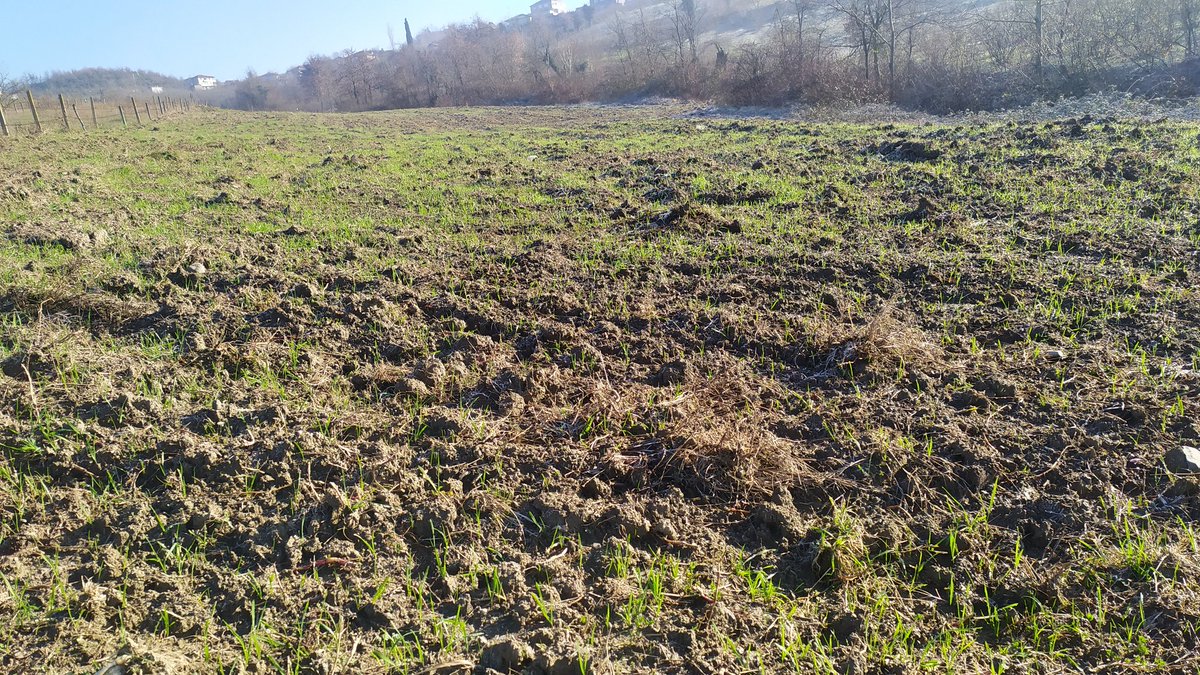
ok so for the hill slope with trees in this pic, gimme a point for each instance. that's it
(935, 55)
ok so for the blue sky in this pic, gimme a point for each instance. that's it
(214, 37)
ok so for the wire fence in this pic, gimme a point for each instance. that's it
(29, 115)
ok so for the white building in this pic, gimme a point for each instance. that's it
(201, 82)
(545, 8)
(156, 90)
(516, 21)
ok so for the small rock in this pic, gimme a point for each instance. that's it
(197, 343)
(431, 371)
(14, 366)
(196, 269)
(511, 403)
(442, 424)
(100, 238)
(478, 342)
(410, 386)
(203, 515)
(607, 328)
(507, 655)
(664, 528)
(1184, 459)
(457, 370)
(674, 372)
(304, 291)
(1054, 355)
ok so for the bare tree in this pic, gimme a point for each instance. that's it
(1189, 17)
(317, 80)
(624, 45)
(937, 54)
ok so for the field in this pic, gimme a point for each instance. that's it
(599, 391)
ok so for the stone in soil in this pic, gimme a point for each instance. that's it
(1184, 459)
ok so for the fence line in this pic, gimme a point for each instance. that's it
(25, 115)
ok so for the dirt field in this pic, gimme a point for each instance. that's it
(599, 391)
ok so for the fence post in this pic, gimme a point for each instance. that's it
(136, 114)
(148, 115)
(95, 120)
(3, 120)
(62, 104)
(37, 121)
(124, 124)
(78, 118)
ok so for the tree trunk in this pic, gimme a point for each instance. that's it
(891, 45)
(1038, 27)
(1187, 15)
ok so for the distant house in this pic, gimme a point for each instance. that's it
(516, 21)
(546, 8)
(202, 82)
(156, 90)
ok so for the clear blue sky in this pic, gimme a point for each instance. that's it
(214, 37)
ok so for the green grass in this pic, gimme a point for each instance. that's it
(584, 390)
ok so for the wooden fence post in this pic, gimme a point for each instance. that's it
(148, 115)
(124, 124)
(136, 114)
(3, 120)
(62, 104)
(37, 121)
(95, 120)
(78, 118)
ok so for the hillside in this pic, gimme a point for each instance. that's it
(934, 55)
(106, 83)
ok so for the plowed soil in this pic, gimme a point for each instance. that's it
(599, 391)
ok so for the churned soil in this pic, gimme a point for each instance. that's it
(599, 391)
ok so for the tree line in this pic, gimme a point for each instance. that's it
(933, 55)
